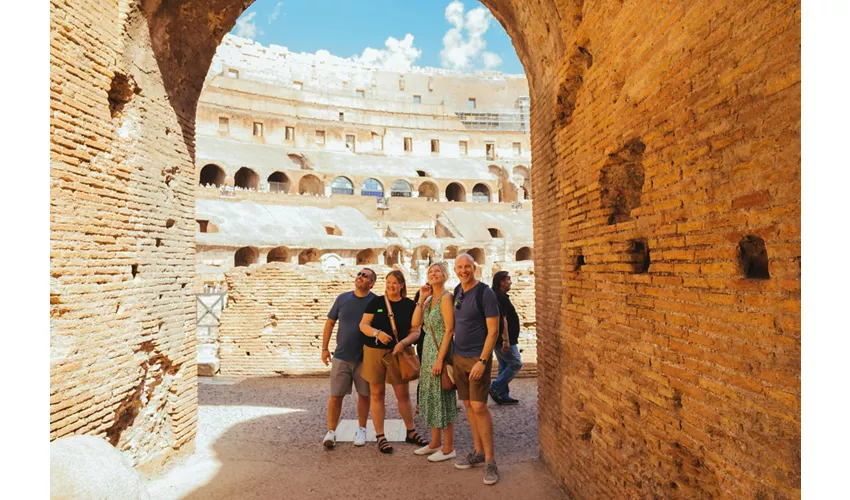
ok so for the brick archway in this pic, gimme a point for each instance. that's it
(655, 370)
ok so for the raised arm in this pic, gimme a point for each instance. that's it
(369, 331)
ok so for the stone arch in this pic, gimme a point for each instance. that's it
(524, 253)
(279, 183)
(477, 255)
(496, 171)
(246, 178)
(372, 187)
(298, 161)
(455, 192)
(342, 185)
(423, 252)
(394, 256)
(400, 188)
(278, 254)
(246, 256)
(367, 256)
(429, 191)
(308, 255)
(310, 184)
(212, 174)
(521, 176)
(481, 193)
(450, 252)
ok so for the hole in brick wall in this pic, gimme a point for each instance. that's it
(752, 258)
(120, 92)
(247, 353)
(134, 269)
(586, 430)
(674, 485)
(159, 242)
(169, 223)
(639, 254)
(579, 261)
(588, 55)
(677, 399)
(621, 181)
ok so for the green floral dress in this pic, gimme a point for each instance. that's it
(438, 407)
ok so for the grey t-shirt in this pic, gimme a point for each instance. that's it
(470, 327)
(347, 311)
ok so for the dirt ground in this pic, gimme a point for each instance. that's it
(261, 439)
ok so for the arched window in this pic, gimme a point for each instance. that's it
(423, 253)
(371, 187)
(367, 256)
(310, 184)
(212, 174)
(400, 188)
(428, 190)
(308, 255)
(279, 183)
(393, 256)
(450, 252)
(341, 185)
(246, 178)
(522, 177)
(477, 255)
(525, 253)
(481, 193)
(279, 254)
(246, 256)
(455, 192)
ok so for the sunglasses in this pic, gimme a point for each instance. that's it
(365, 275)
(459, 300)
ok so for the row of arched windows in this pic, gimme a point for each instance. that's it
(246, 178)
(247, 256)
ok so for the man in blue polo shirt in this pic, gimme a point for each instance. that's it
(348, 356)
(476, 328)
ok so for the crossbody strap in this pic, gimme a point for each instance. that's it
(392, 317)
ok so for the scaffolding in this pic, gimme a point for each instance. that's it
(511, 120)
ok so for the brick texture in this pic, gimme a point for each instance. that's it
(679, 379)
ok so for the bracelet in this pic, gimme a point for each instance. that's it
(420, 304)
(325, 349)
(377, 332)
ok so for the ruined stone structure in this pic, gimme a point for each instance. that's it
(668, 319)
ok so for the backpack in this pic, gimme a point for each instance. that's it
(479, 298)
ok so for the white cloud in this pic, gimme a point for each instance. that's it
(276, 12)
(246, 27)
(398, 56)
(462, 52)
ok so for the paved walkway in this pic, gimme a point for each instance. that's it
(261, 439)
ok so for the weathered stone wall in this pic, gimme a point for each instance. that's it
(276, 313)
(680, 381)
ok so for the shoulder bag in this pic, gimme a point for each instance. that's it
(408, 362)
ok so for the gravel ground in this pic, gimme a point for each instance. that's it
(261, 438)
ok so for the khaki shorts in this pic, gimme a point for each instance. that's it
(344, 374)
(471, 390)
(374, 370)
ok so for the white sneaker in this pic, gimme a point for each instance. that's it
(440, 456)
(330, 440)
(425, 450)
(360, 437)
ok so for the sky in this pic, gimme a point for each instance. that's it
(395, 34)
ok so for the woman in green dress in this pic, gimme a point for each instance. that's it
(437, 407)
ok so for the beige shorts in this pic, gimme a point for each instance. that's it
(471, 390)
(344, 374)
(374, 370)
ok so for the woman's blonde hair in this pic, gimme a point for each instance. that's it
(444, 268)
(399, 276)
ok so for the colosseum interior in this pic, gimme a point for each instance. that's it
(661, 266)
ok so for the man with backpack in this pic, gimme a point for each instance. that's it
(476, 329)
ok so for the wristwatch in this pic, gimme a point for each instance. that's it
(482, 360)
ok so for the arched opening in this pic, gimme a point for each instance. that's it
(422, 173)
(212, 175)
(310, 184)
(367, 256)
(455, 192)
(342, 185)
(423, 253)
(372, 187)
(400, 188)
(278, 254)
(279, 183)
(495, 232)
(481, 193)
(298, 161)
(394, 256)
(246, 178)
(524, 253)
(522, 178)
(477, 255)
(429, 191)
(496, 171)
(307, 256)
(450, 252)
(245, 256)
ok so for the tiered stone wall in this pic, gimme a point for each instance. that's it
(276, 313)
(681, 381)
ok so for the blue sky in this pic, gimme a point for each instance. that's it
(476, 40)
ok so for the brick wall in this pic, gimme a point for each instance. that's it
(676, 379)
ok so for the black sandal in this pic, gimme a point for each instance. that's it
(384, 446)
(414, 438)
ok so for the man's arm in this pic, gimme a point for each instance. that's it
(492, 334)
(326, 340)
